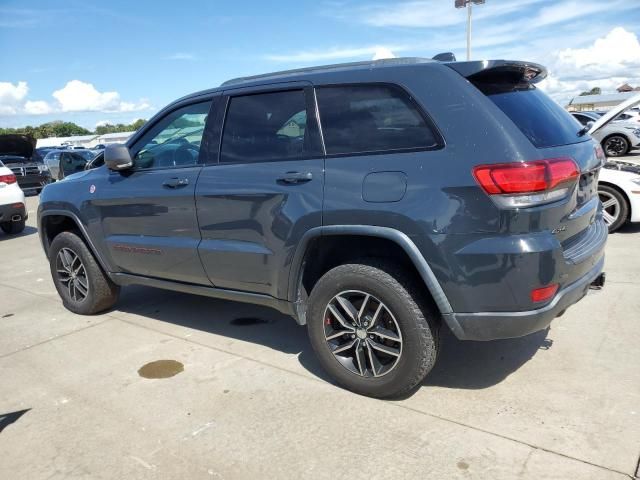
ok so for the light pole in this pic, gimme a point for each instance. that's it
(463, 4)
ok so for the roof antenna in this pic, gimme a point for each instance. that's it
(445, 57)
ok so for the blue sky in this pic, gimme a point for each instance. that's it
(89, 62)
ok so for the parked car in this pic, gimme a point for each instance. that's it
(65, 162)
(100, 146)
(17, 152)
(619, 191)
(617, 138)
(13, 213)
(362, 199)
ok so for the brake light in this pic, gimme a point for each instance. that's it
(544, 293)
(8, 179)
(524, 184)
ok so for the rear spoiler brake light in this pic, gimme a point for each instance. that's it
(491, 71)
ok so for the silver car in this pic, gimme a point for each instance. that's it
(616, 138)
(65, 162)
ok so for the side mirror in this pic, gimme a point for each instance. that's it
(589, 125)
(117, 157)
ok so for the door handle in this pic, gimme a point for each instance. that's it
(176, 182)
(295, 178)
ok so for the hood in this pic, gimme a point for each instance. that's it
(622, 166)
(17, 145)
(613, 113)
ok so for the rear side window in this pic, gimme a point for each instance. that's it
(543, 121)
(266, 126)
(371, 118)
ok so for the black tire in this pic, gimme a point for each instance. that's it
(616, 146)
(417, 322)
(101, 294)
(11, 228)
(619, 211)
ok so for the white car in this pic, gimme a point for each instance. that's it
(13, 213)
(619, 192)
(619, 181)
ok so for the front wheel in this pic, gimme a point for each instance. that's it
(615, 146)
(82, 285)
(371, 329)
(615, 208)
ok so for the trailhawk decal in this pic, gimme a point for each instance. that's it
(130, 249)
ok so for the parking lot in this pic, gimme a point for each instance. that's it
(251, 401)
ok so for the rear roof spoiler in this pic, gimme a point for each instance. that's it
(492, 70)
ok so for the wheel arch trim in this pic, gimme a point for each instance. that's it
(398, 237)
(81, 227)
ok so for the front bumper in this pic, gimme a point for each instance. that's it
(33, 183)
(499, 325)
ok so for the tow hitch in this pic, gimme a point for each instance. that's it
(598, 283)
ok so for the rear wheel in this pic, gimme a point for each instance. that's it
(371, 329)
(81, 283)
(615, 146)
(615, 208)
(11, 228)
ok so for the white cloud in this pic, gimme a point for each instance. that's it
(607, 63)
(383, 52)
(181, 56)
(37, 107)
(78, 96)
(334, 54)
(428, 13)
(11, 97)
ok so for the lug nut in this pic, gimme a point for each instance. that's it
(353, 336)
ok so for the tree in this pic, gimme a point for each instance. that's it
(593, 91)
(58, 128)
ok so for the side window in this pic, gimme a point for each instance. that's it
(265, 126)
(582, 119)
(174, 141)
(368, 118)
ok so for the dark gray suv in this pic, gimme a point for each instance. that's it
(374, 202)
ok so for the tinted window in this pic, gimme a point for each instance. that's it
(367, 118)
(266, 126)
(543, 121)
(175, 140)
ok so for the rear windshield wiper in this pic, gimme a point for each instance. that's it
(583, 130)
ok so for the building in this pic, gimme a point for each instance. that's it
(599, 102)
(86, 141)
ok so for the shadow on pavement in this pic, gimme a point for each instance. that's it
(467, 365)
(27, 231)
(628, 228)
(477, 365)
(7, 419)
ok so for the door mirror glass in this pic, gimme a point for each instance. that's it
(117, 157)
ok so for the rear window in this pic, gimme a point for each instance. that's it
(543, 121)
(370, 118)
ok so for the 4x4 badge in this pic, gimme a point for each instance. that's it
(559, 229)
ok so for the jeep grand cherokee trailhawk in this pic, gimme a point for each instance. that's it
(374, 202)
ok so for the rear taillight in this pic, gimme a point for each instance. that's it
(8, 179)
(526, 184)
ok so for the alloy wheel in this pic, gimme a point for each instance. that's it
(615, 147)
(362, 334)
(72, 274)
(610, 207)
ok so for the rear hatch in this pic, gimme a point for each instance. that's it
(557, 137)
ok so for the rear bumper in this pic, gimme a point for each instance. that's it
(499, 325)
(8, 212)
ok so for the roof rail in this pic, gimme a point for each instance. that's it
(324, 68)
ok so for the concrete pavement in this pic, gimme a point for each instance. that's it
(252, 402)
